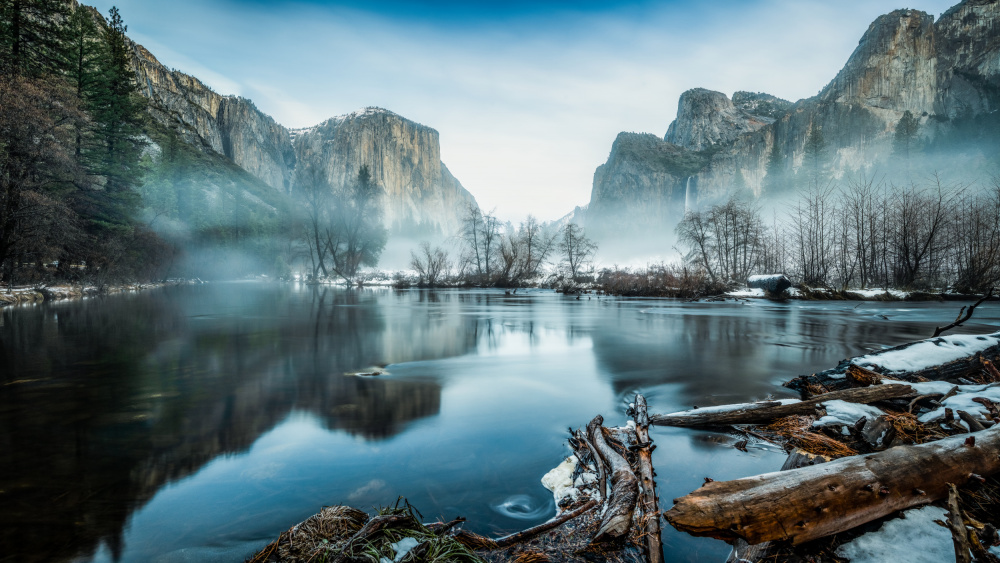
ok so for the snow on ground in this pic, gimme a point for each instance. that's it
(928, 353)
(750, 292)
(842, 413)
(559, 480)
(964, 402)
(872, 293)
(914, 539)
(730, 408)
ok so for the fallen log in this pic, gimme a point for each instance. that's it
(742, 551)
(961, 367)
(813, 502)
(651, 509)
(758, 413)
(624, 486)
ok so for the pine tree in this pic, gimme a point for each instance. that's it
(84, 59)
(815, 153)
(906, 133)
(118, 116)
(775, 171)
(32, 33)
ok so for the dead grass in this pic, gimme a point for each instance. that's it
(795, 429)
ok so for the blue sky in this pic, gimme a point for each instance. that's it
(527, 95)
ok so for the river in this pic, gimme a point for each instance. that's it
(195, 423)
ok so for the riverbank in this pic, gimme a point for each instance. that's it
(28, 295)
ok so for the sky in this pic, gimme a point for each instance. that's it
(527, 95)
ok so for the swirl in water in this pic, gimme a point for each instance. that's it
(523, 507)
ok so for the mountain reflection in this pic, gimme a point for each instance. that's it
(104, 401)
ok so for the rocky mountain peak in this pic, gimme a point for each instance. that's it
(706, 118)
(760, 104)
(421, 195)
(893, 66)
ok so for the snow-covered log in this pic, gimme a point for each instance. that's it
(812, 502)
(771, 283)
(766, 411)
(937, 359)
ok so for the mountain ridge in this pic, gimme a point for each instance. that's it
(945, 72)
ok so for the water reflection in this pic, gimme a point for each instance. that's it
(194, 423)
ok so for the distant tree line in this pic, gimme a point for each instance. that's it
(866, 234)
(492, 253)
(71, 143)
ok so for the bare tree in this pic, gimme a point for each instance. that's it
(694, 231)
(812, 228)
(576, 248)
(431, 264)
(356, 237)
(316, 197)
(481, 240)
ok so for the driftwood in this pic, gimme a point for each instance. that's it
(968, 315)
(624, 486)
(545, 526)
(766, 411)
(813, 502)
(602, 476)
(835, 379)
(651, 508)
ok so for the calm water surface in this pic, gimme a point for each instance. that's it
(196, 423)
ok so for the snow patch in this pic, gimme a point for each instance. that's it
(585, 479)
(914, 539)
(872, 293)
(842, 413)
(929, 353)
(749, 292)
(400, 548)
(559, 480)
(963, 401)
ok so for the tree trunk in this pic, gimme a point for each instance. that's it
(813, 502)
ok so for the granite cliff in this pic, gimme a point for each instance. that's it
(405, 157)
(945, 72)
(421, 195)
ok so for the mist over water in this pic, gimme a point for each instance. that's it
(195, 423)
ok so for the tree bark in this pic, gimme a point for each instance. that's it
(813, 502)
(651, 508)
(624, 486)
(766, 411)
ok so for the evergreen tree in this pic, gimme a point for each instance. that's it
(118, 117)
(84, 61)
(906, 134)
(815, 153)
(32, 34)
